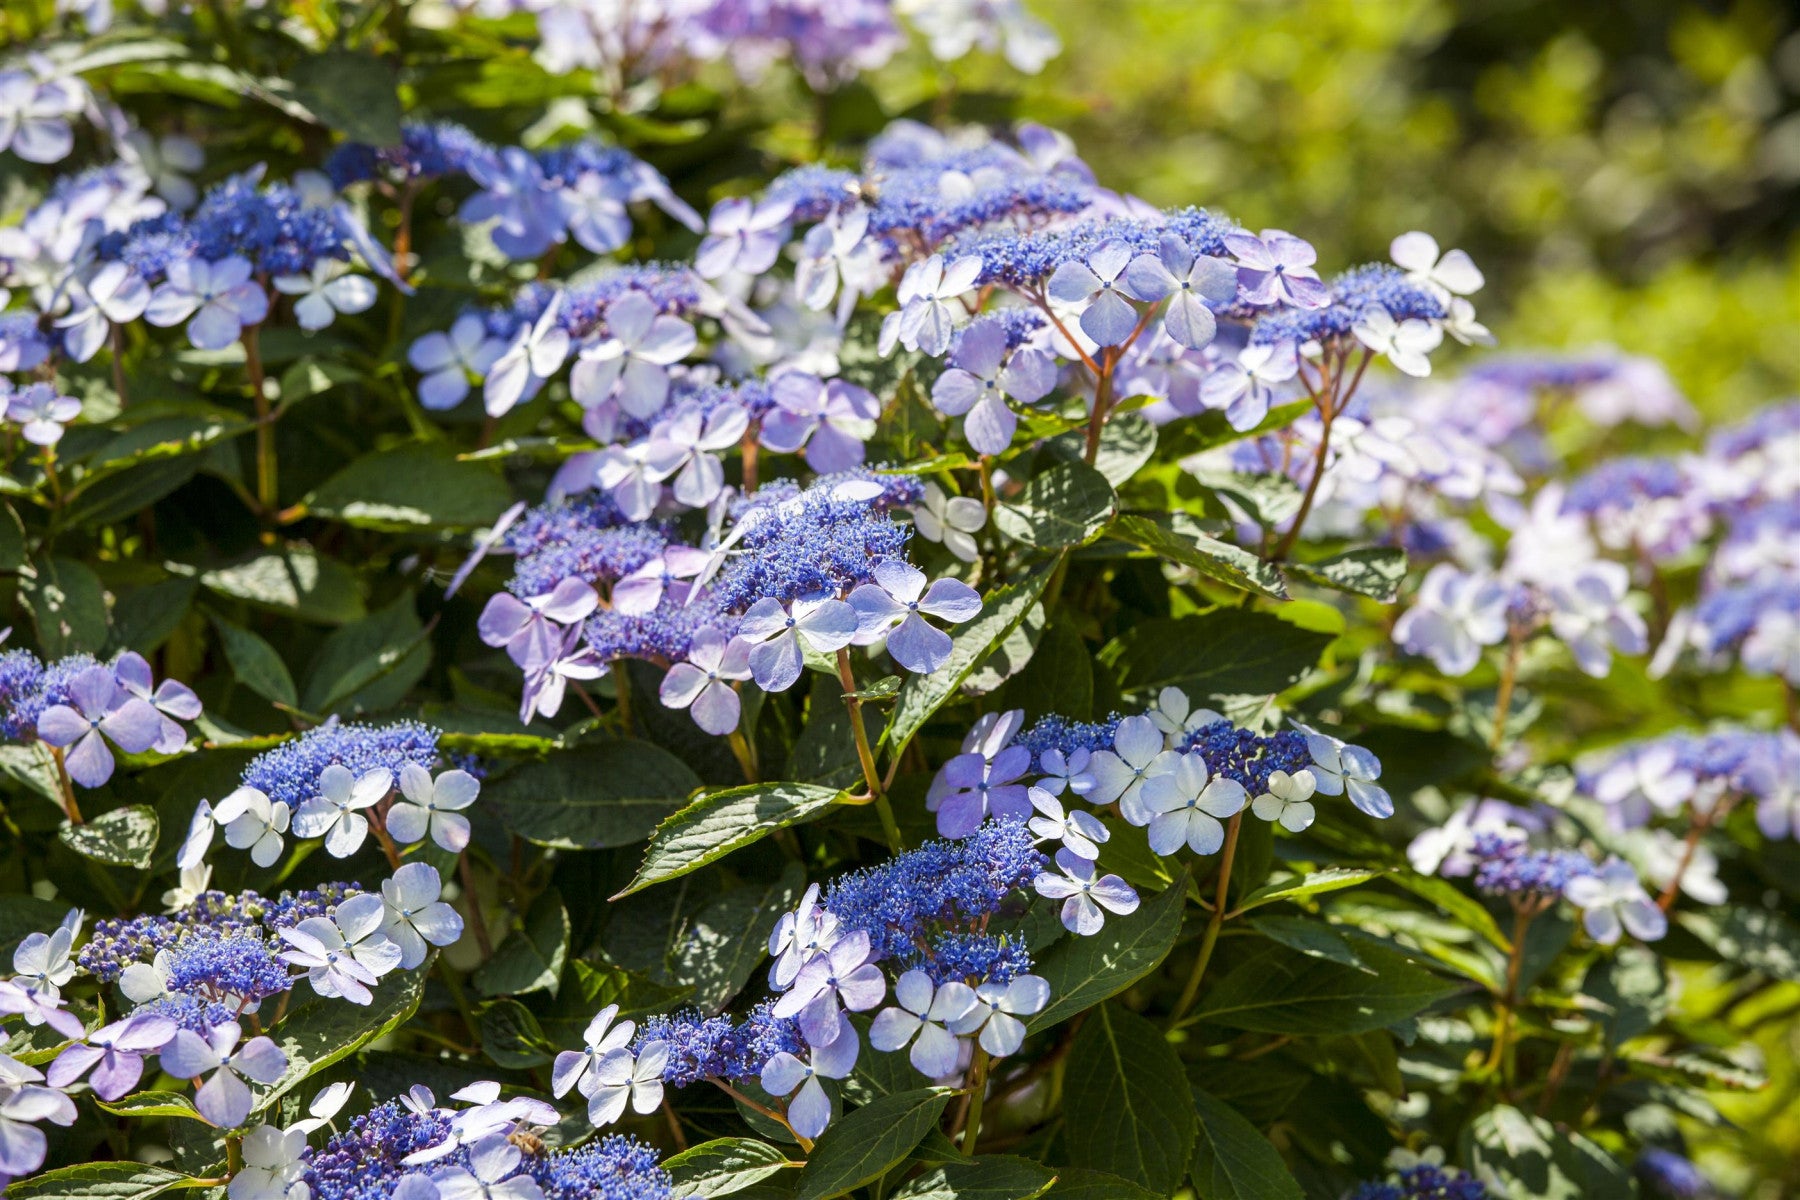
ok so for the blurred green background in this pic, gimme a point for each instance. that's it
(1626, 171)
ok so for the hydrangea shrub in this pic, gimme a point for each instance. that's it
(572, 644)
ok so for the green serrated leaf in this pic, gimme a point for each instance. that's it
(728, 938)
(1078, 1183)
(1232, 1161)
(532, 956)
(369, 664)
(1067, 505)
(1281, 991)
(353, 92)
(865, 1144)
(1315, 883)
(294, 580)
(1373, 571)
(120, 1180)
(256, 664)
(1137, 1115)
(1223, 652)
(1523, 1155)
(124, 837)
(1179, 538)
(412, 487)
(153, 1104)
(723, 1166)
(720, 822)
(594, 797)
(1126, 443)
(68, 607)
(1754, 938)
(989, 1177)
(1083, 971)
(511, 1035)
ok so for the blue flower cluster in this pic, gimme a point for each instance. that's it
(290, 772)
(705, 1047)
(225, 922)
(1424, 1182)
(1052, 732)
(1247, 757)
(929, 908)
(1509, 866)
(28, 687)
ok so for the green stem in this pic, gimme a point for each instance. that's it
(978, 1070)
(265, 423)
(1191, 989)
(866, 755)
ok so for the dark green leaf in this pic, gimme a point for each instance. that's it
(1001, 613)
(1269, 499)
(1083, 971)
(153, 1104)
(1311, 937)
(532, 956)
(369, 664)
(865, 1144)
(1126, 443)
(723, 1166)
(1065, 506)
(124, 837)
(1076, 1183)
(13, 552)
(720, 822)
(1281, 991)
(146, 617)
(1136, 1111)
(68, 606)
(729, 936)
(989, 1177)
(295, 581)
(1223, 652)
(22, 914)
(1232, 1161)
(1373, 571)
(353, 92)
(1210, 430)
(255, 664)
(118, 496)
(611, 793)
(511, 1036)
(412, 487)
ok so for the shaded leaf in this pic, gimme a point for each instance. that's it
(256, 664)
(723, 1166)
(1137, 1114)
(1232, 1161)
(1223, 652)
(1083, 971)
(120, 1180)
(295, 581)
(1281, 991)
(321, 1032)
(124, 837)
(1065, 506)
(988, 1177)
(1373, 571)
(611, 793)
(68, 607)
(865, 1144)
(531, 958)
(1179, 538)
(412, 487)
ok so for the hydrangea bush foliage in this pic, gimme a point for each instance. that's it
(575, 642)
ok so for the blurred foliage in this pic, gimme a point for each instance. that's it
(1626, 172)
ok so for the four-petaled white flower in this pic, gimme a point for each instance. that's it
(997, 1011)
(620, 1077)
(1188, 805)
(253, 822)
(572, 1067)
(774, 634)
(1191, 281)
(1288, 802)
(535, 353)
(1119, 774)
(326, 291)
(634, 358)
(433, 806)
(922, 1017)
(927, 317)
(1454, 274)
(447, 360)
(1083, 895)
(1077, 829)
(1453, 617)
(1612, 902)
(1100, 286)
(1407, 344)
(272, 1162)
(787, 1074)
(336, 813)
(414, 915)
(1339, 769)
(346, 953)
(952, 520)
(493, 1174)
